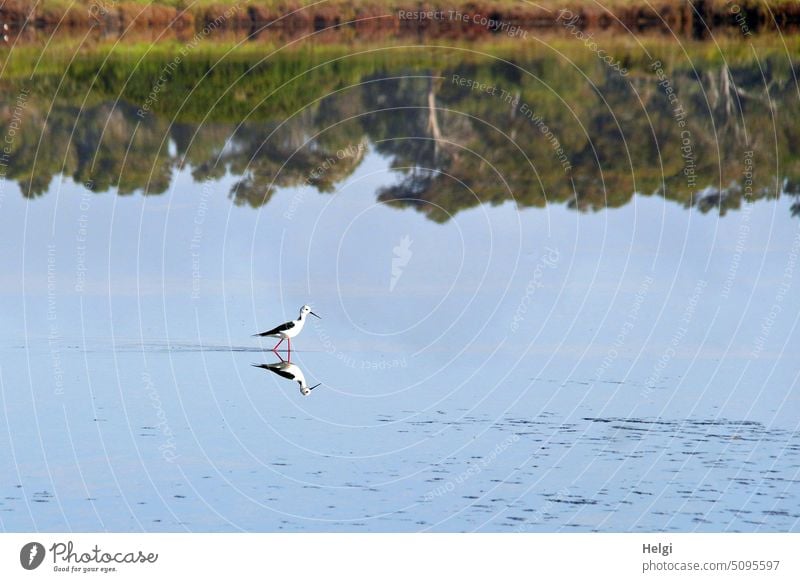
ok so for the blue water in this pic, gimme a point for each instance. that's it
(531, 370)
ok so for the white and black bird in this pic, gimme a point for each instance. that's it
(290, 329)
(290, 372)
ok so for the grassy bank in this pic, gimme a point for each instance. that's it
(688, 16)
(74, 65)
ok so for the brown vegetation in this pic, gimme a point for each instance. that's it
(684, 16)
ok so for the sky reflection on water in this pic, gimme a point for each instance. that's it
(638, 388)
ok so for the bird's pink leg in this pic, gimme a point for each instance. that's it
(290, 348)
(275, 349)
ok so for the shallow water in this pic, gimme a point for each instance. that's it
(436, 412)
(488, 364)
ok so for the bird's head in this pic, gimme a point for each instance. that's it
(305, 390)
(305, 310)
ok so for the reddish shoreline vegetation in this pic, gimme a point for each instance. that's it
(480, 17)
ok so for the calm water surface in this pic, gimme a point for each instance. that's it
(539, 354)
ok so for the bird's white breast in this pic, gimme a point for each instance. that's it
(297, 328)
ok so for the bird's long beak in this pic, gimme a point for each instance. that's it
(315, 315)
(314, 386)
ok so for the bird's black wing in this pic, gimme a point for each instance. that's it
(280, 328)
(279, 372)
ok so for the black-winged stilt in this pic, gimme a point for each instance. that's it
(290, 329)
(290, 372)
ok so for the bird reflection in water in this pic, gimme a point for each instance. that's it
(290, 371)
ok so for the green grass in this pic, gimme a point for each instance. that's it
(51, 56)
